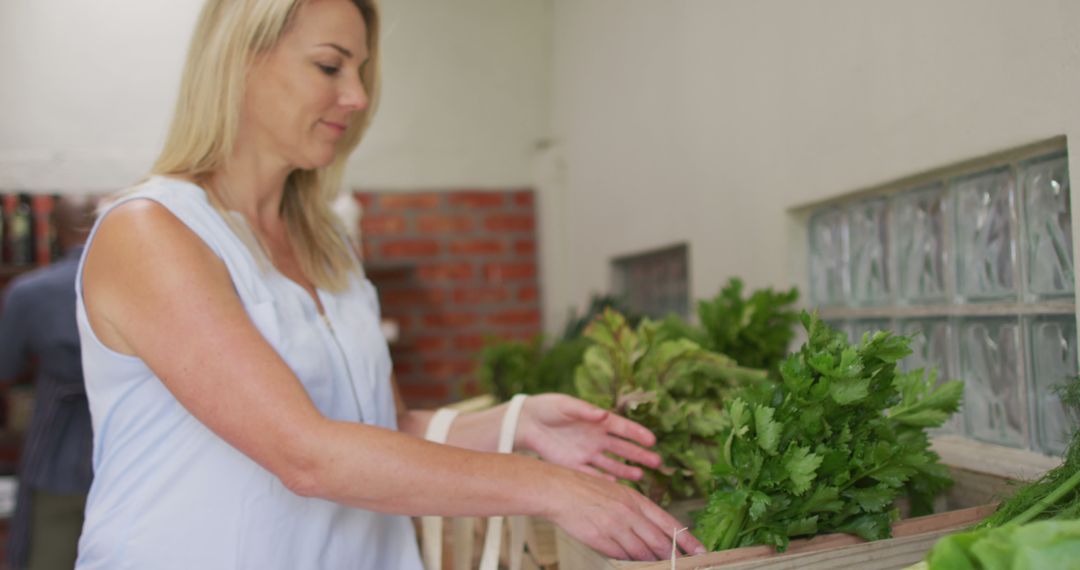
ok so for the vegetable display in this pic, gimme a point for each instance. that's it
(658, 383)
(1037, 546)
(828, 449)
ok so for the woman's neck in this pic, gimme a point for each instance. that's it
(253, 185)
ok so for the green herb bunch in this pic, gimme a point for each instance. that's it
(639, 374)
(756, 330)
(830, 448)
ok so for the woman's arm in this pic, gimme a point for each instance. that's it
(154, 290)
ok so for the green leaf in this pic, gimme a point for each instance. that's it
(823, 499)
(595, 378)
(767, 430)
(797, 377)
(845, 391)
(953, 552)
(801, 465)
(707, 422)
(759, 502)
(739, 414)
(718, 524)
(924, 406)
(873, 499)
(822, 363)
(802, 527)
(874, 526)
(850, 365)
(893, 475)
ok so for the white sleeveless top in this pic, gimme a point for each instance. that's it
(170, 494)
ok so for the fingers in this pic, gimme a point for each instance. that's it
(615, 424)
(633, 453)
(658, 543)
(635, 546)
(596, 473)
(610, 548)
(653, 528)
(633, 431)
(690, 544)
(616, 468)
(620, 522)
(585, 411)
(687, 542)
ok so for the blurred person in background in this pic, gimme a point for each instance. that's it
(37, 321)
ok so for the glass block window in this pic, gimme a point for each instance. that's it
(654, 283)
(977, 262)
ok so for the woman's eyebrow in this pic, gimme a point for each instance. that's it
(343, 51)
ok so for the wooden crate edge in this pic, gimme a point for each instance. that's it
(916, 535)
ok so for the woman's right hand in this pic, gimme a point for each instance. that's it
(616, 520)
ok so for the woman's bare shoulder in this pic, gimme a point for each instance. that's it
(144, 227)
(141, 261)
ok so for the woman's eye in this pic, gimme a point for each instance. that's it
(328, 69)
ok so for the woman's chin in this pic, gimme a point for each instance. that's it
(315, 161)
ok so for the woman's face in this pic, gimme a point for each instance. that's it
(303, 94)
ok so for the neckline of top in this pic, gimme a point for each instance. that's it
(317, 300)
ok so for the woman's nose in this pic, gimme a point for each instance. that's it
(354, 96)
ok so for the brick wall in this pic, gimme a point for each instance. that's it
(453, 269)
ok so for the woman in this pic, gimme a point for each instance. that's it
(243, 410)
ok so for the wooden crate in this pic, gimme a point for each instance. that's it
(969, 501)
(540, 543)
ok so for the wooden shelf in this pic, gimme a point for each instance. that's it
(1020, 464)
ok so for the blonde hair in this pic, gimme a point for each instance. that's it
(228, 37)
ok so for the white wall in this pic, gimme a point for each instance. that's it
(684, 120)
(707, 121)
(89, 87)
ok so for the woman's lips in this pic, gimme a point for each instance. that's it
(338, 128)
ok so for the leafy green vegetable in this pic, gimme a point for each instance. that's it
(656, 382)
(830, 448)
(1009, 538)
(575, 324)
(755, 330)
(1036, 546)
(514, 367)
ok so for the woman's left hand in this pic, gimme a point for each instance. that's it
(575, 434)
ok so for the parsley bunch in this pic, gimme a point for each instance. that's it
(671, 386)
(830, 448)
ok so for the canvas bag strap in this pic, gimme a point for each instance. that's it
(437, 431)
(489, 560)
